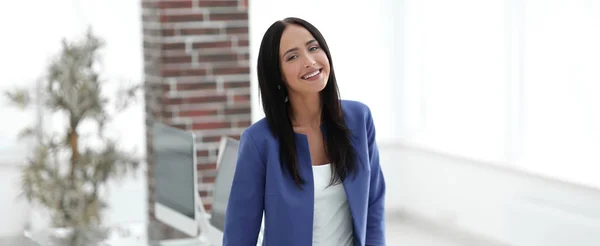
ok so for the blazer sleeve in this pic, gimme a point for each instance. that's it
(375, 235)
(244, 212)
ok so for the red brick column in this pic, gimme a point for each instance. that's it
(197, 74)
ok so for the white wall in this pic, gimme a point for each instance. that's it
(33, 35)
(508, 81)
(361, 44)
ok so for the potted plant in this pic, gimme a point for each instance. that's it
(65, 171)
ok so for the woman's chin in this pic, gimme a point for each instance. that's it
(317, 85)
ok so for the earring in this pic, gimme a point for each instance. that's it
(286, 98)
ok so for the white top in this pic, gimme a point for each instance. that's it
(332, 224)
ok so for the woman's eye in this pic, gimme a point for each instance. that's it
(292, 57)
(313, 48)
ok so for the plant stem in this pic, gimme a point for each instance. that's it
(73, 139)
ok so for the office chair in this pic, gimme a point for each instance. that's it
(214, 224)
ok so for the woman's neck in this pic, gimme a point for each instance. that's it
(306, 110)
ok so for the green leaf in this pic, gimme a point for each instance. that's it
(27, 133)
(19, 97)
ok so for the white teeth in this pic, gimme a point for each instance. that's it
(312, 74)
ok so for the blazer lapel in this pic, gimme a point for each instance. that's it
(357, 191)
(306, 206)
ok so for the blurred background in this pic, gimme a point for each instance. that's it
(487, 111)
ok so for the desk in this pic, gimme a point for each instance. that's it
(132, 234)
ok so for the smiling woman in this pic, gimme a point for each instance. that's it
(312, 164)
(302, 62)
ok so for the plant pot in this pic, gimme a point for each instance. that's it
(68, 236)
(39, 218)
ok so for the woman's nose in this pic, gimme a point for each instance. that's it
(310, 63)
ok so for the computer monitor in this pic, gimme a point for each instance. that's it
(226, 164)
(175, 178)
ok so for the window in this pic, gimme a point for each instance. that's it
(562, 89)
(515, 82)
(456, 75)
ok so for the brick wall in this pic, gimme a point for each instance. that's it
(196, 63)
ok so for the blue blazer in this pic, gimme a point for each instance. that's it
(260, 185)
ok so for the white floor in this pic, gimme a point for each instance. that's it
(401, 231)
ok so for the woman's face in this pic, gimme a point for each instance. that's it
(304, 65)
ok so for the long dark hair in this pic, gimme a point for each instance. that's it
(277, 111)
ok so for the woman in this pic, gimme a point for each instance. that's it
(312, 164)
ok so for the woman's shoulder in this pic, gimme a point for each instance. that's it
(355, 111)
(258, 128)
(258, 133)
(354, 105)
